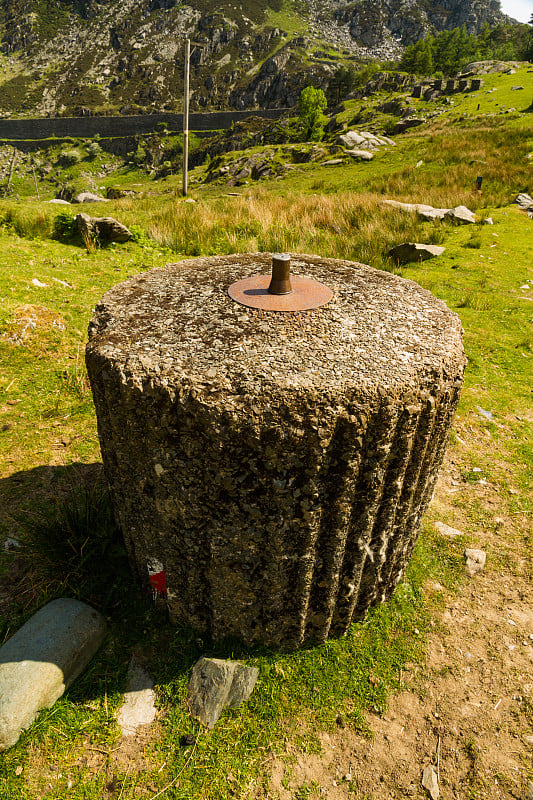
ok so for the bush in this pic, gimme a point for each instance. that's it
(64, 225)
(311, 104)
(68, 158)
(94, 150)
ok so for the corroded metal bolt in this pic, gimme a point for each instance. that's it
(281, 274)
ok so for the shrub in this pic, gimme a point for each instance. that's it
(68, 158)
(64, 225)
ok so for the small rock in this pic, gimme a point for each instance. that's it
(430, 782)
(216, 684)
(139, 700)
(38, 283)
(414, 251)
(41, 659)
(486, 414)
(474, 561)
(58, 201)
(447, 530)
(11, 544)
(488, 221)
(188, 740)
(332, 162)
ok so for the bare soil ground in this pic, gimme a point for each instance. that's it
(468, 711)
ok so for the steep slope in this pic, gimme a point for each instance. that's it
(70, 57)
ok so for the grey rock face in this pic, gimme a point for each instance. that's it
(276, 466)
(216, 684)
(414, 251)
(89, 197)
(42, 659)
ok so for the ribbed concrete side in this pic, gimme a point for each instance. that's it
(280, 507)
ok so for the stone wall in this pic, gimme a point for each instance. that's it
(120, 126)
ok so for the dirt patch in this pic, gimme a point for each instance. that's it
(468, 711)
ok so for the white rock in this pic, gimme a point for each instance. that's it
(38, 283)
(139, 701)
(474, 561)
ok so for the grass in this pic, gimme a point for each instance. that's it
(52, 499)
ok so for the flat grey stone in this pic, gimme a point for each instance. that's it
(42, 659)
(414, 251)
(447, 530)
(139, 701)
(474, 561)
(216, 684)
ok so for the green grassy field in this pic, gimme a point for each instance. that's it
(49, 449)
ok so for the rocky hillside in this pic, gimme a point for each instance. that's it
(103, 56)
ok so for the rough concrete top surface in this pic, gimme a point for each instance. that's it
(178, 326)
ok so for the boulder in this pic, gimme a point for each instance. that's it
(41, 659)
(524, 201)
(461, 215)
(361, 155)
(104, 229)
(89, 197)
(414, 251)
(216, 684)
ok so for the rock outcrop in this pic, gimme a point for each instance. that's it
(121, 54)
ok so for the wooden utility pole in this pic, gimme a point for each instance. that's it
(186, 116)
(11, 168)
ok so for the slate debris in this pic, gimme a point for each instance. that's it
(216, 684)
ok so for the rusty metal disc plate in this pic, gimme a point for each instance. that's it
(306, 294)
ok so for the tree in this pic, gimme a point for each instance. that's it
(311, 104)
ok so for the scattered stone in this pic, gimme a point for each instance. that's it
(216, 684)
(474, 561)
(41, 659)
(39, 284)
(105, 229)
(484, 413)
(447, 530)
(89, 197)
(332, 162)
(516, 88)
(430, 782)
(58, 201)
(188, 740)
(139, 700)
(461, 214)
(487, 221)
(414, 251)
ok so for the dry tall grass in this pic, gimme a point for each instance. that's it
(346, 225)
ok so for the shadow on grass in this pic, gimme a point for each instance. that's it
(71, 547)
